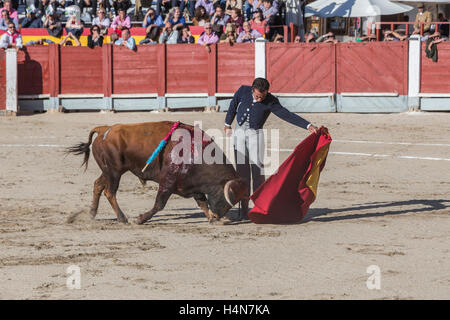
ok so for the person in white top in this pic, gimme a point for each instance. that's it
(11, 39)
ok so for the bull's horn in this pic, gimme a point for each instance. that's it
(226, 192)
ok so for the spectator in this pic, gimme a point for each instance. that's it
(259, 4)
(169, 35)
(310, 37)
(270, 14)
(74, 26)
(207, 4)
(393, 36)
(38, 42)
(258, 21)
(219, 20)
(248, 34)
(231, 4)
(229, 36)
(297, 39)
(422, 16)
(121, 4)
(113, 38)
(236, 19)
(326, 38)
(11, 38)
(170, 4)
(102, 21)
(66, 42)
(121, 22)
(208, 37)
(53, 25)
(7, 5)
(176, 19)
(200, 16)
(248, 9)
(186, 36)
(367, 38)
(126, 40)
(6, 20)
(87, 4)
(443, 28)
(31, 20)
(95, 39)
(431, 45)
(278, 38)
(152, 23)
(105, 5)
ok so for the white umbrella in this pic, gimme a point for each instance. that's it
(354, 8)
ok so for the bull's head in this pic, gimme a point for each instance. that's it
(220, 201)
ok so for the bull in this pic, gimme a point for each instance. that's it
(120, 148)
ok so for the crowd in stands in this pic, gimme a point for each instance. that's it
(169, 21)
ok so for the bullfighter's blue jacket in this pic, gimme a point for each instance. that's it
(242, 106)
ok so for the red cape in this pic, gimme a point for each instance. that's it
(286, 196)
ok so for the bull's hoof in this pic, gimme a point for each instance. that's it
(140, 219)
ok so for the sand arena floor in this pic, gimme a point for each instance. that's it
(384, 200)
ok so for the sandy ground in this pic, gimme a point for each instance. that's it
(387, 211)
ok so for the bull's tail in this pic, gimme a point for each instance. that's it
(83, 148)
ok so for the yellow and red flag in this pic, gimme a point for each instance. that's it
(285, 196)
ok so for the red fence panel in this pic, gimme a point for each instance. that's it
(187, 68)
(235, 66)
(372, 67)
(81, 70)
(136, 71)
(2, 80)
(300, 68)
(33, 70)
(435, 75)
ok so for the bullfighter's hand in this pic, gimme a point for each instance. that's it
(313, 129)
(228, 131)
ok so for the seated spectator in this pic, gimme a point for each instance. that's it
(207, 4)
(443, 28)
(422, 16)
(11, 38)
(259, 4)
(186, 36)
(6, 20)
(121, 22)
(169, 35)
(270, 14)
(53, 25)
(393, 36)
(431, 45)
(231, 4)
(152, 23)
(38, 42)
(297, 39)
(248, 34)
(87, 4)
(326, 38)
(95, 39)
(219, 20)
(208, 37)
(176, 19)
(113, 38)
(236, 19)
(74, 26)
(121, 5)
(367, 38)
(105, 5)
(7, 5)
(102, 21)
(258, 21)
(200, 16)
(310, 37)
(66, 42)
(278, 38)
(31, 20)
(229, 36)
(126, 40)
(170, 4)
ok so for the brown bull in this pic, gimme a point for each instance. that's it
(126, 147)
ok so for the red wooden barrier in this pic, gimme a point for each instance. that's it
(136, 71)
(435, 75)
(33, 70)
(372, 67)
(2, 80)
(187, 68)
(300, 68)
(235, 66)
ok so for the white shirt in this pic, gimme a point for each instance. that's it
(7, 39)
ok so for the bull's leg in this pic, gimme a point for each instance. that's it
(99, 186)
(160, 203)
(110, 193)
(203, 204)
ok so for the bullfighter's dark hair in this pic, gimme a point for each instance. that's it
(260, 84)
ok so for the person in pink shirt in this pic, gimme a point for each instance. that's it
(8, 7)
(121, 21)
(208, 37)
